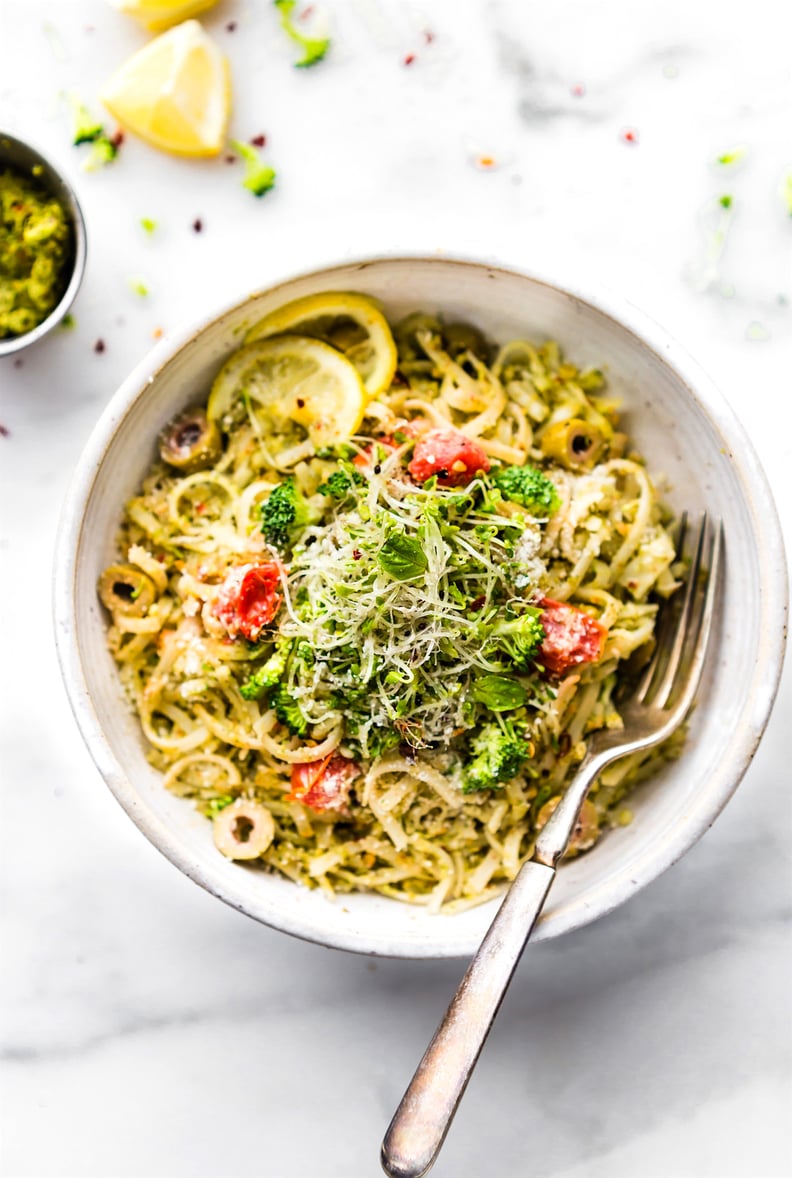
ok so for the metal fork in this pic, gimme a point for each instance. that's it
(657, 707)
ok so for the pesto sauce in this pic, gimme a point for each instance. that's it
(35, 251)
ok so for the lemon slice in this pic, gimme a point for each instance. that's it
(161, 14)
(174, 92)
(352, 323)
(289, 379)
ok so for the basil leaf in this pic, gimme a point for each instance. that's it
(499, 692)
(402, 558)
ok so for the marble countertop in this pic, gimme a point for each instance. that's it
(147, 1030)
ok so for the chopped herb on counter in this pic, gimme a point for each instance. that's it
(735, 156)
(148, 225)
(259, 177)
(139, 288)
(87, 129)
(313, 48)
(725, 201)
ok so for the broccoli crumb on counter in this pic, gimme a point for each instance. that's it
(35, 249)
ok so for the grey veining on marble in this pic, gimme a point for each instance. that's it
(147, 1030)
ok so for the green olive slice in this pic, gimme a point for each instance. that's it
(124, 589)
(574, 443)
(191, 442)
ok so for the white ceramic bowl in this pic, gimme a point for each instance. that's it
(680, 423)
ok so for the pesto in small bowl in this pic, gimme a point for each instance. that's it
(42, 245)
(36, 253)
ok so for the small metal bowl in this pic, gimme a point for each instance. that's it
(22, 158)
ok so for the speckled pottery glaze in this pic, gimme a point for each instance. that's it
(686, 431)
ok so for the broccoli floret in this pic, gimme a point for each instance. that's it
(519, 638)
(497, 754)
(259, 177)
(341, 482)
(528, 486)
(288, 711)
(313, 48)
(267, 675)
(285, 513)
(86, 128)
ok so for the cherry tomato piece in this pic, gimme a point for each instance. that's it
(249, 599)
(450, 455)
(572, 637)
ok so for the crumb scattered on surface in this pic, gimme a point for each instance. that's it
(259, 141)
(5, 432)
(99, 346)
(197, 225)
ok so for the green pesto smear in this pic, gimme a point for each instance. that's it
(35, 250)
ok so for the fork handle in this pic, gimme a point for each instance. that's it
(422, 1120)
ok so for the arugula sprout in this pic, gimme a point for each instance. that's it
(499, 693)
(313, 48)
(402, 557)
(259, 177)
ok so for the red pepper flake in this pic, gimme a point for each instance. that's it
(307, 12)
(200, 508)
(409, 59)
(428, 36)
(578, 90)
(630, 135)
(230, 159)
(356, 554)
(259, 141)
(197, 225)
(117, 139)
(5, 432)
(487, 162)
(231, 27)
(99, 346)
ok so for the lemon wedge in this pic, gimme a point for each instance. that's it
(161, 14)
(174, 92)
(274, 382)
(351, 323)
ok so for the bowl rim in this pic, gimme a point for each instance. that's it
(671, 843)
(67, 197)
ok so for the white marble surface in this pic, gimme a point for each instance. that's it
(149, 1031)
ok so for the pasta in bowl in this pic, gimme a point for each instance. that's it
(373, 657)
(382, 578)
